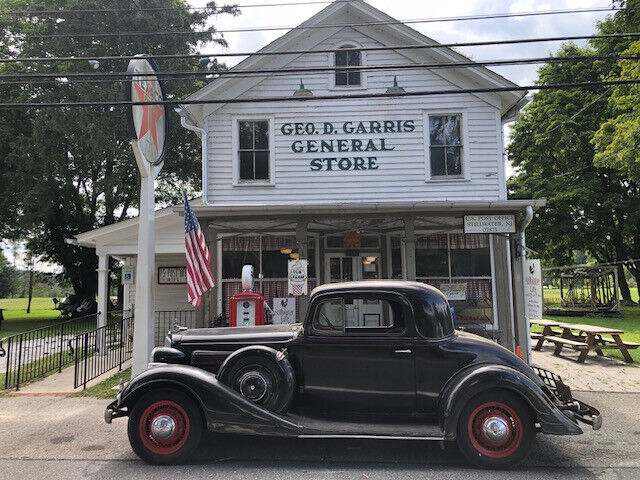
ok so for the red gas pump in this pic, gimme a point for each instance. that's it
(246, 307)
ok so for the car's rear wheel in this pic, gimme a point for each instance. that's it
(165, 426)
(496, 429)
(261, 380)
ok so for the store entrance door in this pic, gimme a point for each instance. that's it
(341, 268)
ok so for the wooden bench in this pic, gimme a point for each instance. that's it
(629, 345)
(562, 342)
(536, 336)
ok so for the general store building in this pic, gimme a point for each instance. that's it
(363, 188)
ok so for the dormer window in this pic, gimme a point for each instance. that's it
(346, 56)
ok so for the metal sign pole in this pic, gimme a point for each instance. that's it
(148, 126)
(143, 333)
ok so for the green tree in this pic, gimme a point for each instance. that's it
(8, 278)
(69, 170)
(589, 208)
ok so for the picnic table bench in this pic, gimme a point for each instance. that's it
(583, 338)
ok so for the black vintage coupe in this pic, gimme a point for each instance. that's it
(373, 359)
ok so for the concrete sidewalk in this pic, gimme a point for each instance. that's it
(61, 384)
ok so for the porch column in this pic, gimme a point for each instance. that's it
(503, 300)
(103, 288)
(211, 297)
(410, 247)
(521, 322)
(126, 290)
(302, 243)
(103, 299)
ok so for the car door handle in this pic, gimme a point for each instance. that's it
(403, 351)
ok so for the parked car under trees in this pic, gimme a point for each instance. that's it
(408, 374)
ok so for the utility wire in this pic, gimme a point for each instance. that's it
(355, 96)
(39, 13)
(310, 27)
(169, 56)
(308, 70)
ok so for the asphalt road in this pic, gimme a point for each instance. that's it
(66, 438)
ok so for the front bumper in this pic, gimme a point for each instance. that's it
(112, 411)
(573, 409)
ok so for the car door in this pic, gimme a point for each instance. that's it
(359, 369)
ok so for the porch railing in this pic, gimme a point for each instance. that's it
(36, 353)
(168, 320)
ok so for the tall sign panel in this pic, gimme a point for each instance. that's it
(148, 126)
(534, 307)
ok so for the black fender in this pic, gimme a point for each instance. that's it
(476, 379)
(278, 356)
(224, 409)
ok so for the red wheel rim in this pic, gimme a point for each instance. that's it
(491, 447)
(178, 437)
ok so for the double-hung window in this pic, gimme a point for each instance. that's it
(346, 56)
(445, 145)
(253, 150)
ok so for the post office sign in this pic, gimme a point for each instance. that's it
(489, 224)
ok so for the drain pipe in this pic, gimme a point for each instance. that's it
(525, 340)
(202, 133)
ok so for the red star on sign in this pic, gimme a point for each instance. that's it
(150, 113)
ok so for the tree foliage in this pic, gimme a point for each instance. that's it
(68, 170)
(589, 208)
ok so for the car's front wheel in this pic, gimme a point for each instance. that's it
(496, 429)
(165, 426)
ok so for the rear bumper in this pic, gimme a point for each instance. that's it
(575, 410)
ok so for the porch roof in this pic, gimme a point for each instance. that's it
(366, 209)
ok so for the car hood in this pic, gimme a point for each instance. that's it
(259, 334)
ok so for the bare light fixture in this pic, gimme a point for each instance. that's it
(302, 91)
(395, 89)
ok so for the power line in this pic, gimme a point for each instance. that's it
(36, 13)
(170, 56)
(354, 96)
(308, 70)
(311, 27)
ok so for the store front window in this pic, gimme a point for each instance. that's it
(269, 256)
(457, 258)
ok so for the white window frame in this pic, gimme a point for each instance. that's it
(464, 132)
(235, 133)
(332, 64)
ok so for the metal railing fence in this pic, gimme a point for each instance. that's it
(168, 320)
(102, 349)
(34, 354)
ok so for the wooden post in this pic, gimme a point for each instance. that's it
(410, 247)
(301, 242)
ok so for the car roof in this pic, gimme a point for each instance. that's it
(399, 286)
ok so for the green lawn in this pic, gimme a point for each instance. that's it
(552, 295)
(630, 323)
(17, 320)
(105, 388)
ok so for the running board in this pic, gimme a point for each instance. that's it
(372, 437)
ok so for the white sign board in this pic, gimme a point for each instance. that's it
(489, 224)
(284, 310)
(533, 290)
(297, 278)
(172, 275)
(454, 291)
(127, 275)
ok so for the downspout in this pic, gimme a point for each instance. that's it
(524, 340)
(202, 133)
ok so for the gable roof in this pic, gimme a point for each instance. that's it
(344, 14)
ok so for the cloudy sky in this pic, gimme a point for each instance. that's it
(444, 32)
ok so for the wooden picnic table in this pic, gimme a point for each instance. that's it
(583, 338)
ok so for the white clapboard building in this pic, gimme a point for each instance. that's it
(400, 186)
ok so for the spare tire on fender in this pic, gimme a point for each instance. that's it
(262, 375)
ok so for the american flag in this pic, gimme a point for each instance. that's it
(199, 276)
